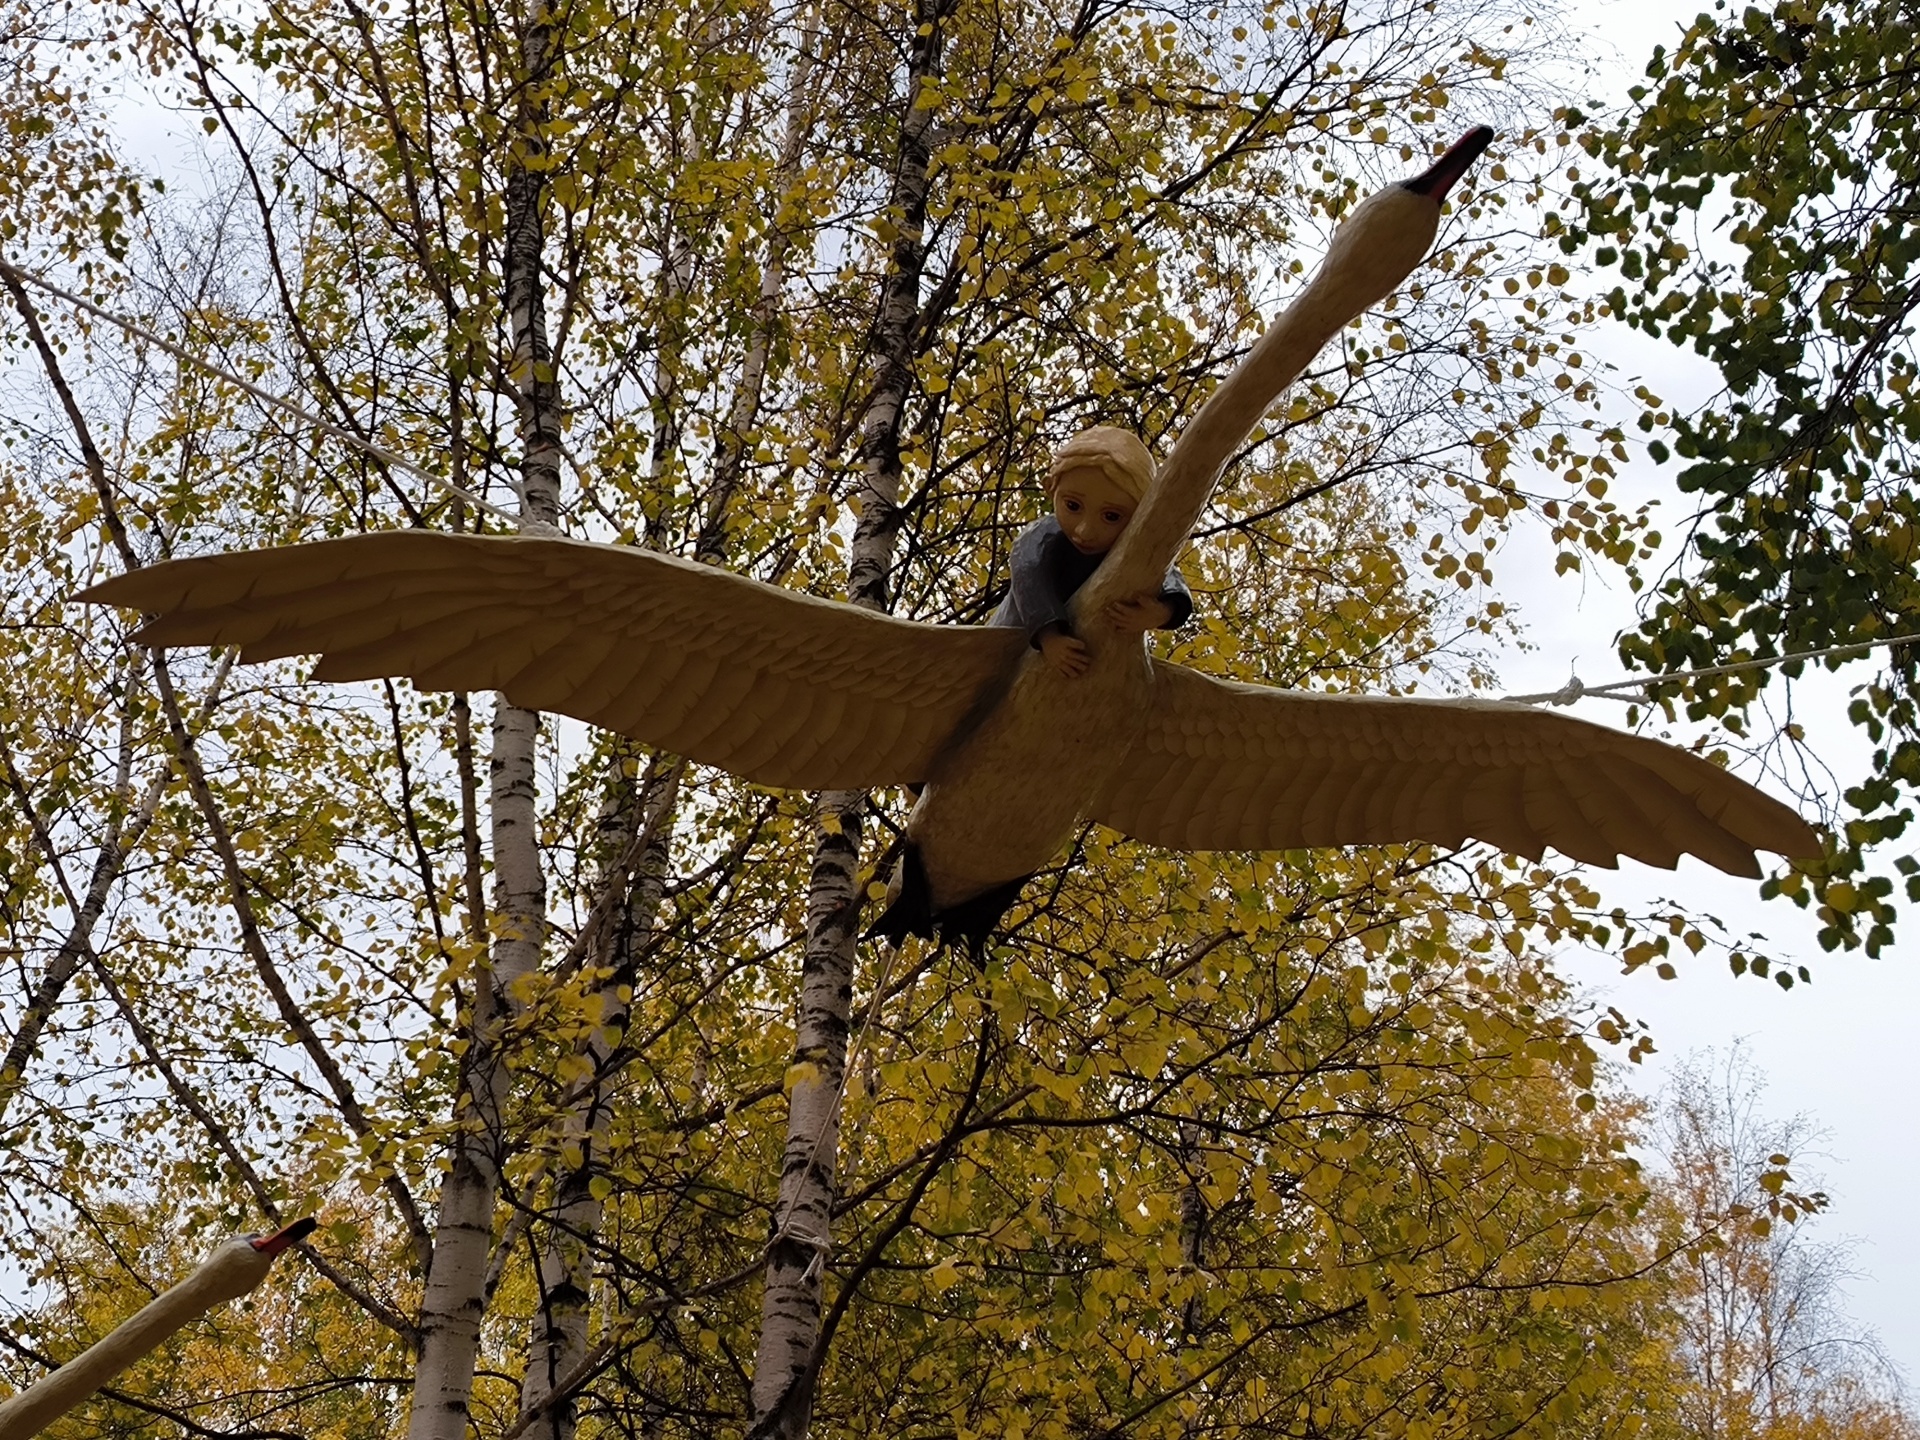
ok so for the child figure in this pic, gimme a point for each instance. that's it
(1096, 482)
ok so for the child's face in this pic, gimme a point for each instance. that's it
(1092, 510)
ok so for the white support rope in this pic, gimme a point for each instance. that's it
(265, 397)
(1574, 690)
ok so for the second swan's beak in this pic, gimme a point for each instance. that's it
(272, 1245)
(1438, 177)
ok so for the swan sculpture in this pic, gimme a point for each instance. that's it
(230, 1272)
(785, 689)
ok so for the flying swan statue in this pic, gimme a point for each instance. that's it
(785, 689)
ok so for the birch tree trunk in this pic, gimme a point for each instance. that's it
(634, 840)
(731, 451)
(787, 1363)
(676, 277)
(636, 828)
(1194, 1216)
(455, 1295)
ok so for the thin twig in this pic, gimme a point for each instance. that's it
(265, 397)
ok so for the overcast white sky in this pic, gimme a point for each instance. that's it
(1831, 1051)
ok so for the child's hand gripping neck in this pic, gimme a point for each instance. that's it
(1093, 511)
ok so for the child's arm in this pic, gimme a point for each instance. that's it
(1168, 610)
(1034, 596)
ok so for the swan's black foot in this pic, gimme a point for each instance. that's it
(972, 922)
(910, 911)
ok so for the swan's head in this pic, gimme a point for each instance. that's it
(1388, 233)
(240, 1264)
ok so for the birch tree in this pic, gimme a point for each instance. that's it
(454, 1302)
(787, 1363)
(1764, 1345)
(1207, 1140)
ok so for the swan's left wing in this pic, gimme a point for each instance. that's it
(776, 686)
(1223, 766)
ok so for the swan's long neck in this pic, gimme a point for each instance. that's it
(1184, 484)
(1370, 255)
(230, 1272)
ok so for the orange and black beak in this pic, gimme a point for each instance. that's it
(1438, 178)
(272, 1245)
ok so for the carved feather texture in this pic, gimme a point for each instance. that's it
(1223, 766)
(775, 686)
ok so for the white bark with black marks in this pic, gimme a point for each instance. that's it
(732, 448)
(635, 830)
(454, 1300)
(786, 1366)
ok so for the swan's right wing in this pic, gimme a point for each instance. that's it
(778, 687)
(1223, 766)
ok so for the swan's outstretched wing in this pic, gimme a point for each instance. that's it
(779, 687)
(1242, 767)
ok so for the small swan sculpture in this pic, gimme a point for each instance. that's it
(231, 1271)
(784, 689)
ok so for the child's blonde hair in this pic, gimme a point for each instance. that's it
(1118, 454)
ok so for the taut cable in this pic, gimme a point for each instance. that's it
(1574, 689)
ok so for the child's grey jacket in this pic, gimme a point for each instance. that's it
(1046, 572)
